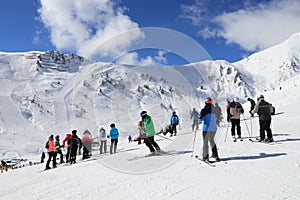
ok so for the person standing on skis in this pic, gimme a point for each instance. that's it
(58, 149)
(264, 109)
(252, 106)
(50, 149)
(234, 112)
(114, 135)
(209, 129)
(174, 123)
(147, 133)
(195, 116)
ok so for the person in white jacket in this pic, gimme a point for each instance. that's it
(102, 140)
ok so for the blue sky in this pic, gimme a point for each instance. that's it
(225, 29)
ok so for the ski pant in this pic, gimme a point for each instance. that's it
(103, 147)
(174, 129)
(50, 156)
(195, 124)
(151, 144)
(113, 146)
(60, 156)
(264, 125)
(235, 123)
(85, 153)
(73, 152)
(209, 136)
(68, 154)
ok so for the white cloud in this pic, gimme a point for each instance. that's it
(252, 26)
(260, 27)
(84, 25)
(133, 59)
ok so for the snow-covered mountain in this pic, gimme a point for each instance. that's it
(51, 93)
(45, 93)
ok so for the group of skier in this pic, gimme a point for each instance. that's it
(210, 115)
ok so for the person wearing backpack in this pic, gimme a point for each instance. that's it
(87, 144)
(234, 112)
(103, 138)
(50, 149)
(264, 110)
(174, 123)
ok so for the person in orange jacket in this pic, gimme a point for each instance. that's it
(50, 149)
(65, 143)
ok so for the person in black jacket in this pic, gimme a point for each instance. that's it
(73, 142)
(252, 106)
(264, 109)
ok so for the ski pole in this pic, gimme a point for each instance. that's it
(251, 125)
(247, 128)
(193, 143)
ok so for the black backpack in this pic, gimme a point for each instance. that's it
(47, 145)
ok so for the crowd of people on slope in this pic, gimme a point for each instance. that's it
(210, 115)
(74, 144)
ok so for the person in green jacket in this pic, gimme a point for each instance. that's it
(147, 133)
(57, 149)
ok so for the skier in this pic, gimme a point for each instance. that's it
(174, 123)
(129, 139)
(218, 114)
(87, 144)
(43, 157)
(65, 143)
(57, 149)
(103, 138)
(234, 112)
(114, 135)
(50, 149)
(208, 116)
(195, 116)
(252, 106)
(264, 109)
(73, 142)
(148, 132)
(167, 129)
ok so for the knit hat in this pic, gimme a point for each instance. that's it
(143, 113)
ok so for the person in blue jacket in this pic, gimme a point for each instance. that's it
(114, 135)
(174, 122)
(209, 129)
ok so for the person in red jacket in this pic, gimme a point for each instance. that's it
(87, 144)
(50, 150)
(65, 143)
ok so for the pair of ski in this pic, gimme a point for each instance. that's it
(209, 163)
(234, 139)
(161, 153)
